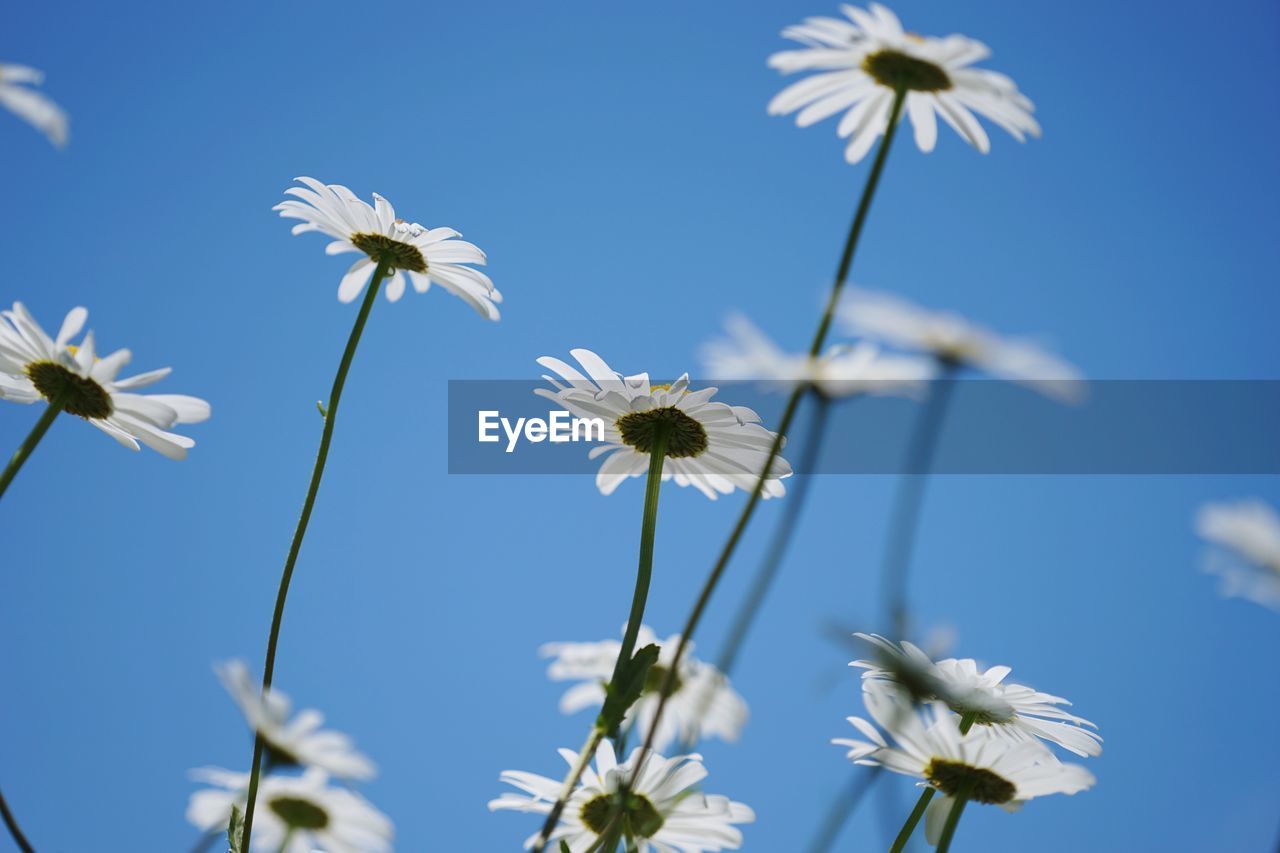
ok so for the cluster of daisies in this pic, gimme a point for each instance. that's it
(965, 732)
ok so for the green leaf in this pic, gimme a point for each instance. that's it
(626, 689)
(235, 831)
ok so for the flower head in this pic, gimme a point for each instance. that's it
(661, 811)
(701, 705)
(294, 814)
(843, 371)
(297, 742)
(1247, 557)
(1007, 709)
(711, 446)
(952, 339)
(425, 256)
(865, 60)
(17, 94)
(35, 367)
(983, 766)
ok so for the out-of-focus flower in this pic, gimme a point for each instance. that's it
(711, 446)
(296, 742)
(32, 106)
(1247, 558)
(843, 371)
(1010, 710)
(701, 705)
(662, 811)
(35, 367)
(295, 814)
(986, 767)
(954, 340)
(425, 255)
(863, 61)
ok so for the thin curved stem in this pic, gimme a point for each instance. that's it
(644, 574)
(953, 818)
(819, 338)
(322, 456)
(900, 843)
(11, 823)
(793, 508)
(29, 444)
(910, 499)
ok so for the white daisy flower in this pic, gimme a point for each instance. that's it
(953, 340)
(663, 812)
(35, 367)
(30, 105)
(865, 60)
(425, 256)
(1247, 559)
(843, 371)
(295, 814)
(1008, 709)
(701, 705)
(992, 769)
(713, 447)
(300, 742)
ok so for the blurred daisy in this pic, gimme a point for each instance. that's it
(295, 814)
(300, 742)
(30, 105)
(425, 256)
(662, 811)
(953, 340)
(747, 353)
(713, 447)
(865, 60)
(1247, 559)
(701, 705)
(35, 367)
(992, 770)
(1007, 709)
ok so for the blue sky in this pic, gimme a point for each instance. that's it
(617, 165)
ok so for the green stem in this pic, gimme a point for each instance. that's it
(900, 843)
(819, 338)
(966, 722)
(12, 823)
(644, 574)
(29, 444)
(330, 418)
(648, 526)
(953, 818)
(791, 512)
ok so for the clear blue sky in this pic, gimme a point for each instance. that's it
(616, 163)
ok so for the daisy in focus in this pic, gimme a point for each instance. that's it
(865, 60)
(296, 814)
(18, 95)
(662, 811)
(701, 705)
(747, 353)
(956, 342)
(35, 367)
(424, 256)
(711, 446)
(1008, 710)
(298, 742)
(984, 767)
(1247, 556)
